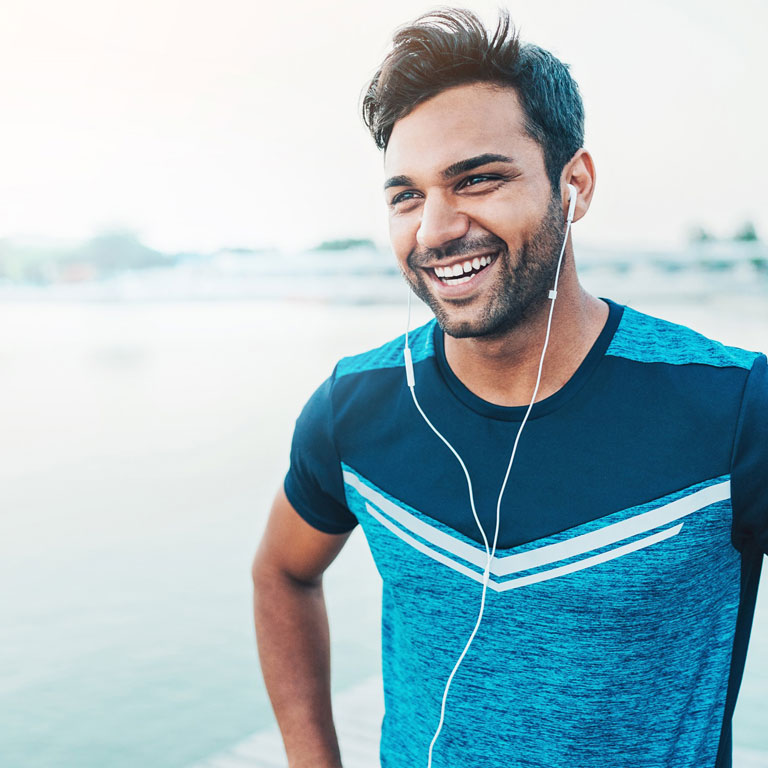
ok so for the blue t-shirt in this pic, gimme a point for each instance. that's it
(632, 534)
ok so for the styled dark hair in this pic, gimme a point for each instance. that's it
(451, 47)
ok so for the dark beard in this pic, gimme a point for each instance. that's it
(520, 287)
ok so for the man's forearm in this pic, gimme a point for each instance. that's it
(294, 649)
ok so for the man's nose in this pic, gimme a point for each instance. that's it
(441, 222)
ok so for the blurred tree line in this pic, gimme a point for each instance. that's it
(746, 233)
(103, 255)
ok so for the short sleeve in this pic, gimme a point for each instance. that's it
(314, 484)
(749, 468)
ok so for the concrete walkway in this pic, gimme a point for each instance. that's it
(358, 712)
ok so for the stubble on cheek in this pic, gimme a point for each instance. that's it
(518, 288)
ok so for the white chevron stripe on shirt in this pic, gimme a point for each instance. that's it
(534, 578)
(389, 513)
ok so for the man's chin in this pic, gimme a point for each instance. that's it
(489, 325)
(468, 328)
(458, 319)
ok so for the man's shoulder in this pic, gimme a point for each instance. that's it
(350, 375)
(390, 354)
(647, 339)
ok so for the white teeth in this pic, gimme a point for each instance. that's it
(458, 280)
(459, 273)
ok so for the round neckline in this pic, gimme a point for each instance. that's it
(542, 407)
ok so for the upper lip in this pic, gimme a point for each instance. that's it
(460, 259)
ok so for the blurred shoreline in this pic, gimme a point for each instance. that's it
(121, 269)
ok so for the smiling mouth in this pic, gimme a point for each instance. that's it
(464, 271)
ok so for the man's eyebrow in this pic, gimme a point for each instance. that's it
(455, 169)
(462, 166)
(398, 181)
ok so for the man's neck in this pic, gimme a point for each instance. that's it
(503, 370)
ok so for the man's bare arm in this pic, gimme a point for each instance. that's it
(292, 633)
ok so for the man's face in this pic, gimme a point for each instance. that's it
(474, 223)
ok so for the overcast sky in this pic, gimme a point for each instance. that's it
(235, 122)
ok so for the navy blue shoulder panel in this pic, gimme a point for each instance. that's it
(656, 416)
(659, 414)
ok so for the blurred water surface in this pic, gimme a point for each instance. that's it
(142, 443)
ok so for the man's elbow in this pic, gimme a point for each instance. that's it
(269, 577)
(265, 575)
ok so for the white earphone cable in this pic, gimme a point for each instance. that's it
(489, 551)
(552, 296)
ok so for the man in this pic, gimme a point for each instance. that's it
(583, 568)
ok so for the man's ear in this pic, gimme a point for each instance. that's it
(580, 172)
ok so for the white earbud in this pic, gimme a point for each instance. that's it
(573, 194)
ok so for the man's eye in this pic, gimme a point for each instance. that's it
(471, 181)
(403, 197)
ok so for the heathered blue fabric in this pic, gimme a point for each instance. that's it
(633, 660)
(390, 355)
(625, 662)
(647, 339)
